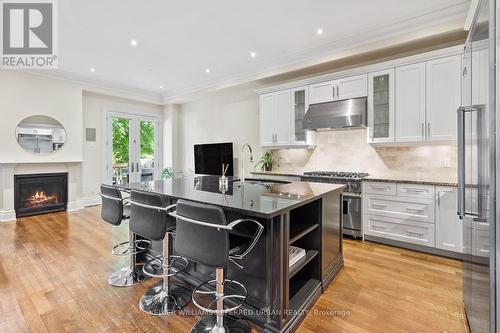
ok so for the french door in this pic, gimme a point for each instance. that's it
(132, 151)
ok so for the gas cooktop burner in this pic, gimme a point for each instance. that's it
(337, 174)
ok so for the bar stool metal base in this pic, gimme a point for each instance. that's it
(158, 301)
(231, 325)
(126, 277)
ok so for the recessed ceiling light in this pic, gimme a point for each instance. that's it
(161, 87)
(133, 42)
(253, 54)
(207, 70)
(92, 70)
(319, 31)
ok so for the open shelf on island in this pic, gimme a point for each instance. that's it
(310, 255)
(300, 290)
(297, 231)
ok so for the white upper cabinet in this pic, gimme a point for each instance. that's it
(345, 88)
(410, 100)
(381, 106)
(351, 87)
(321, 92)
(283, 118)
(267, 119)
(443, 94)
(449, 233)
(410, 103)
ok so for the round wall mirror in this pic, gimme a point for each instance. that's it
(40, 134)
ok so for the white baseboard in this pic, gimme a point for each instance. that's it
(74, 205)
(92, 201)
(7, 215)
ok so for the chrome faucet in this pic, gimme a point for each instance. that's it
(242, 176)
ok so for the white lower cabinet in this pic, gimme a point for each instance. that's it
(449, 233)
(400, 230)
(413, 213)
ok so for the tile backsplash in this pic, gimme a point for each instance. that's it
(348, 150)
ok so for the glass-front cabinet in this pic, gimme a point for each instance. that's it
(381, 106)
(299, 105)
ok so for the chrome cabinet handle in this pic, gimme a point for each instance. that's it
(413, 190)
(423, 135)
(380, 187)
(137, 166)
(428, 130)
(414, 210)
(411, 233)
(338, 91)
(439, 198)
(378, 227)
(132, 167)
(379, 206)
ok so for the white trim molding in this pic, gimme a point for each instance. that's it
(7, 215)
(75, 205)
(95, 201)
(441, 53)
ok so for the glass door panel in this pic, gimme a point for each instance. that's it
(300, 108)
(381, 106)
(147, 150)
(132, 148)
(121, 165)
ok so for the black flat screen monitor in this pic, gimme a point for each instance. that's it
(208, 158)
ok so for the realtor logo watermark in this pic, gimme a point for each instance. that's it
(29, 34)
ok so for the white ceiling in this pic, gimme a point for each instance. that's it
(177, 40)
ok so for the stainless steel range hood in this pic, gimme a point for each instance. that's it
(348, 113)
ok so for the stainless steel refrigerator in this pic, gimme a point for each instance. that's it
(477, 169)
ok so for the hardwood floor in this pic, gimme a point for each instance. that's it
(54, 269)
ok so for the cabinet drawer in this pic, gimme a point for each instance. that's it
(400, 230)
(416, 191)
(379, 188)
(415, 209)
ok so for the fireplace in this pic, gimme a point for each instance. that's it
(40, 193)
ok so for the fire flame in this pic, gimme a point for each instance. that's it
(40, 198)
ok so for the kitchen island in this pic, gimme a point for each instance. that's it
(305, 215)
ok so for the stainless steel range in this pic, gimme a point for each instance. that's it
(352, 200)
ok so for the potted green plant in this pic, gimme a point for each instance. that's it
(168, 173)
(267, 161)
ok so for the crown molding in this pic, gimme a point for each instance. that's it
(438, 20)
(382, 65)
(101, 86)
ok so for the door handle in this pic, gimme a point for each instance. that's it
(137, 166)
(461, 161)
(132, 167)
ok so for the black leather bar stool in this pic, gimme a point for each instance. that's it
(204, 236)
(115, 210)
(149, 219)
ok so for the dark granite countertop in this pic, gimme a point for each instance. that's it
(410, 181)
(387, 179)
(252, 198)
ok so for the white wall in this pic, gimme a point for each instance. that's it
(93, 173)
(23, 95)
(229, 116)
